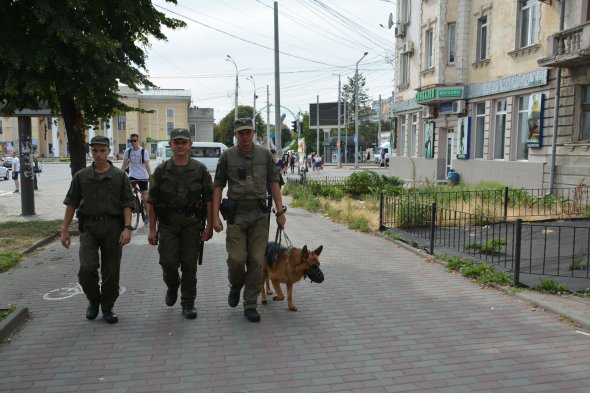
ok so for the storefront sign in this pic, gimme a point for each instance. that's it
(439, 93)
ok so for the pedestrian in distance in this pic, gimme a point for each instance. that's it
(180, 198)
(246, 169)
(102, 194)
(15, 171)
(136, 161)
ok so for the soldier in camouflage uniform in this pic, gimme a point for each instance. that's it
(180, 190)
(102, 195)
(246, 168)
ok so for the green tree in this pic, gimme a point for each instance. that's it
(71, 55)
(224, 130)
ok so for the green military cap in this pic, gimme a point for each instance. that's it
(180, 133)
(100, 140)
(244, 123)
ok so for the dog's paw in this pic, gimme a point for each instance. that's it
(278, 298)
(263, 301)
(292, 307)
(268, 292)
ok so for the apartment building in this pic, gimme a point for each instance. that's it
(165, 109)
(475, 91)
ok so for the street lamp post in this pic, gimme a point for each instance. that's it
(254, 105)
(229, 58)
(356, 112)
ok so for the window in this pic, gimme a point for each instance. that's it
(405, 11)
(193, 130)
(169, 112)
(500, 131)
(522, 151)
(429, 39)
(480, 122)
(404, 69)
(1, 127)
(402, 135)
(527, 22)
(122, 120)
(169, 127)
(451, 44)
(482, 36)
(585, 126)
(413, 136)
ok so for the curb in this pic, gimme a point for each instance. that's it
(40, 243)
(10, 323)
(545, 305)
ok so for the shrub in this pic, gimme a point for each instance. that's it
(360, 224)
(413, 214)
(360, 183)
(491, 247)
(547, 285)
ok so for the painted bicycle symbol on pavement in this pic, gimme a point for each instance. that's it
(72, 290)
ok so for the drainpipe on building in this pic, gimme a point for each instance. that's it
(556, 110)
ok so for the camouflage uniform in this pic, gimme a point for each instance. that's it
(176, 190)
(100, 199)
(247, 175)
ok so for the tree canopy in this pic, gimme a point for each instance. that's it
(71, 55)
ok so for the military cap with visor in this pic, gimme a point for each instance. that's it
(180, 133)
(244, 123)
(100, 140)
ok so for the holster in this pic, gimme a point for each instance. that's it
(228, 209)
(265, 205)
(80, 218)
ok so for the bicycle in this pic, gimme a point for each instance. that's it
(138, 205)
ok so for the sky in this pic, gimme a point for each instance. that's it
(318, 40)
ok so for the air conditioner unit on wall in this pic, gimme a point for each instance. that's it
(400, 30)
(428, 112)
(459, 107)
(407, 47)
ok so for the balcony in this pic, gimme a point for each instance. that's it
(568, 48)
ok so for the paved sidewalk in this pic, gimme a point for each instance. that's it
(386, 319)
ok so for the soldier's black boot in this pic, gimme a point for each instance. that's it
(252, 315)
(233, 298)
(92, 310)
(171, 296)
(189, 312)
(110, 316)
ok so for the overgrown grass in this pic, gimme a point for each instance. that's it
(482, 273)
(17, 236)
(5, 313)
(491, 247)
(548, 285)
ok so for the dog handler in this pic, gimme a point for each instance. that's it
(102, 194)
(246, 168)
(180, 188)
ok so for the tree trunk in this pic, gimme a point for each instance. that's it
(76, 132)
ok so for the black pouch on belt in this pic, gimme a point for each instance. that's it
(228, 209)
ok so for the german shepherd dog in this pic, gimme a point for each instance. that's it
(290, 266)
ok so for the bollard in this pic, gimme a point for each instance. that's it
(432, 228)
(517, 245)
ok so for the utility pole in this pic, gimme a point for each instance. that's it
(356, 112)
(379, 127)
(338, 143)
(267, 117)
(229, 58)
(317, 123)
(278, 143)
(254, 105)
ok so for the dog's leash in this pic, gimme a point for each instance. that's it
(278, 238)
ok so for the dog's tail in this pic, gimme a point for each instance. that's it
(273, 251)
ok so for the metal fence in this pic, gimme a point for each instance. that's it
(549, 249)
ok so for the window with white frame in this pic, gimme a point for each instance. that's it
(500, 130)
(522, 151)
(405, 11)
(585, 125)
(404, 74)
(169, 112)
(527, 22)
(451, 30)
(402, 135)
(482, 38)
(413, 136)
(193, 130)
(169, 127)
(480, 122)
(429, 39)
(122, 121)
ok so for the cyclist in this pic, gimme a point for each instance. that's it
(136, 163)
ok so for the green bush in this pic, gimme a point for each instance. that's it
(360, 183)
(413, 214)
(547, 285)
(360, 224)
(491, 247)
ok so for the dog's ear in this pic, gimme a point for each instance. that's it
(304, 252)
(318, 250)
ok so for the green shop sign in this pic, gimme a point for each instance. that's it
(439, 93)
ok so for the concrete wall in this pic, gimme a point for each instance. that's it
(514, 173)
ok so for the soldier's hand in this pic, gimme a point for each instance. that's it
(281, 220)
(125, 237)
(207, 233)
(153, 237)
(217, 224)
(65, 238)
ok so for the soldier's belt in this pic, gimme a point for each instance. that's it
(248, 203)
(104, 217)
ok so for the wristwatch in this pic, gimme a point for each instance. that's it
(128, 227)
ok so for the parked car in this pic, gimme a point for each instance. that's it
(7, 162)
(4, 173)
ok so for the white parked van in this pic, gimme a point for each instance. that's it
(206, 152)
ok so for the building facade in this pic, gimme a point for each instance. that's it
(163, 110)
(473, 94)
